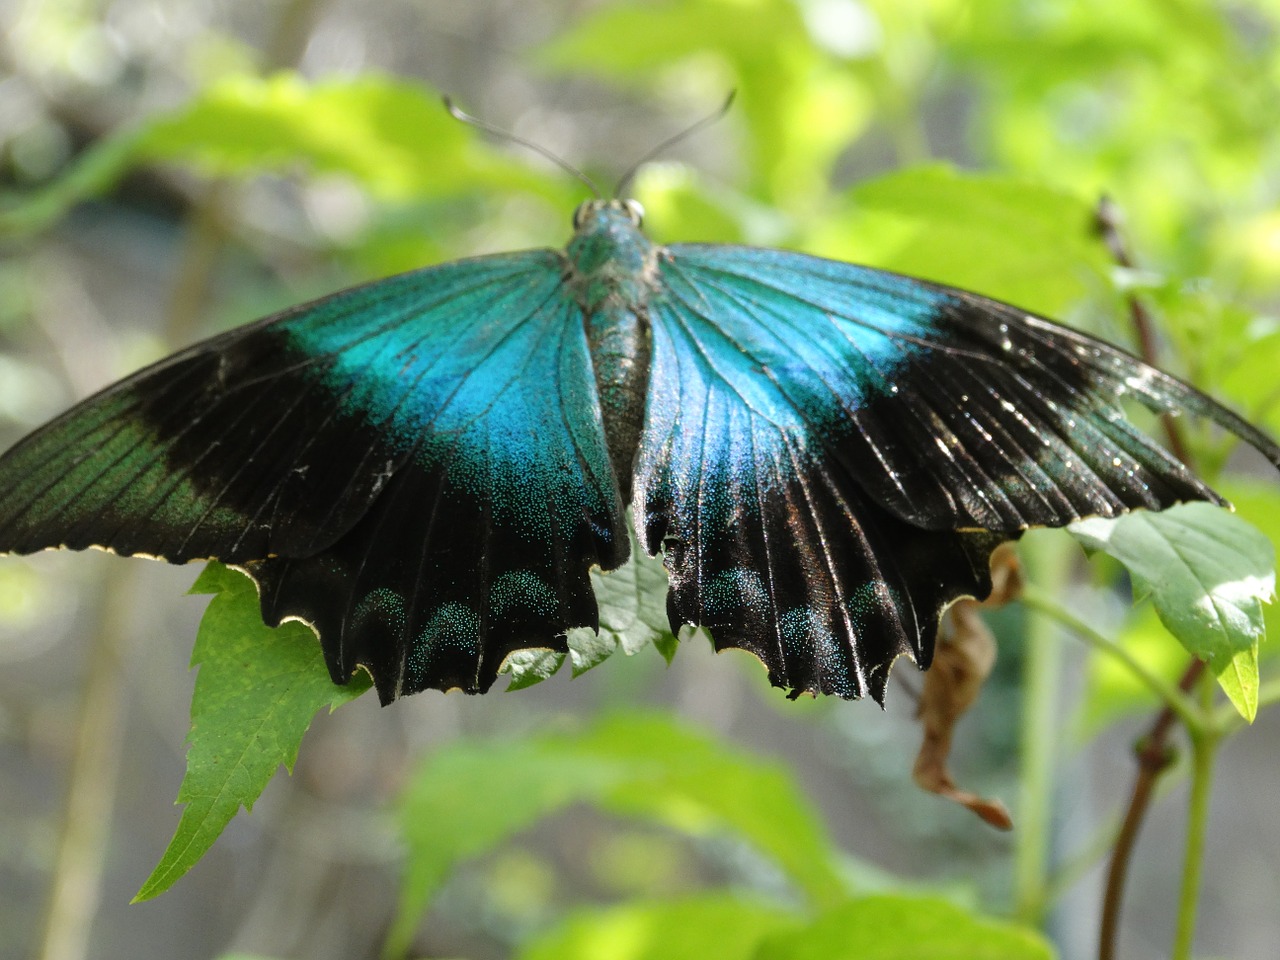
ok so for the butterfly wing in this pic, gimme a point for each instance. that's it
(831, 452)
(417, 467)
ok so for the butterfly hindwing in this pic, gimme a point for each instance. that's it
(416, 466)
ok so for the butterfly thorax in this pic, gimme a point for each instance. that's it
(611, 266)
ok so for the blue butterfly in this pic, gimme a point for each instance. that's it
(426, 468)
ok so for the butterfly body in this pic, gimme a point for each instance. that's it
(611, 266)
(427, 468)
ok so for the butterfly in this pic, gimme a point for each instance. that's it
(427, 468)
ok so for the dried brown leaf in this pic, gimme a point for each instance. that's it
(963, 660)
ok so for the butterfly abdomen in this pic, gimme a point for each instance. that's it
(619, 339)
(611, 266)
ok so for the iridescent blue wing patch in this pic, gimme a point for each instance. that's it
(417, 467)
(831, 452)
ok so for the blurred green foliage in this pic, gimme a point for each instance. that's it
(966, 141)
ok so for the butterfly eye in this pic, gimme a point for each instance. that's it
(635, 211)
(580, 214)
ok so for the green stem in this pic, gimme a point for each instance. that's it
(1204, 750)
(1178, 702)
(1046, 562)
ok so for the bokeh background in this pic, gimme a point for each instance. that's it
(173, 168)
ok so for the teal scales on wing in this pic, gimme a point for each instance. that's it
(426, 468)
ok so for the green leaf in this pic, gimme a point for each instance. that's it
(799, 105)
(954, 227)
(633, 615)
(906, 928)
(393, 138)
(255, 696)
(530, 667)
(719, 926)
(1239, 679)
(1258, 501)
(633, 609)
(1207, 572)
(472, 796)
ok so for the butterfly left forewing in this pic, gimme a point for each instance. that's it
(416, 467)
(482, 542)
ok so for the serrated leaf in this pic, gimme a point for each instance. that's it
(1206, 571)
(530, 667)
(633, 615)
(588, 649)
(633, 601)
(255, 696)
(667, 646)
(906, 928)
(1258, 501)
(720, 926)
(472, 796)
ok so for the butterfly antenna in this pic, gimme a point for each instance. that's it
(479, 124)
(714, 117)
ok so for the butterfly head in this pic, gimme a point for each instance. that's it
(591, 212)
(607, 241)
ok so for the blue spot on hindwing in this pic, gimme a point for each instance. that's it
(381, 606)
(521, 591)
(866, 604)
(453, 628)
(733, 590)
(807, 638)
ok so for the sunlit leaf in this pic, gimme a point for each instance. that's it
(1005, 237)
(1208, 574)
(633, 615)
(392, 137)
(906, 928)
(719, 926)
(1239, 679)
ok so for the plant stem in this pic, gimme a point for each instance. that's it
(1046, 562)
(1204, 750)
(1153, 759)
